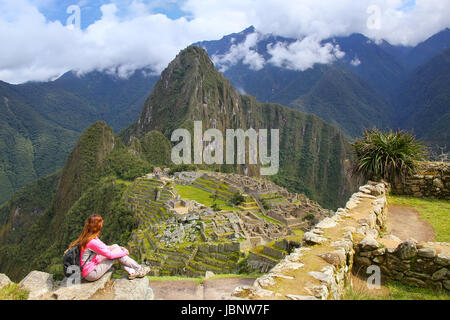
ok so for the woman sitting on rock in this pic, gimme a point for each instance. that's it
(100, 257)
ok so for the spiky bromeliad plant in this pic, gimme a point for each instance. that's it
(391, 156)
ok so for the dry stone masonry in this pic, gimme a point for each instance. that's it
(171, 227)
(417, 264)
(321, 267)
(431, 181)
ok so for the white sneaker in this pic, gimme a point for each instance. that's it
(140, 273)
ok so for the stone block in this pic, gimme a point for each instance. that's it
(37, 283)
(426, 253)
(406, 250)
(137, 289)
(4, 280)
(441, 274)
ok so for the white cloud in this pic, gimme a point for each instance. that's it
(36, 49)
(244, 52)
(355, 62)
(303, 54)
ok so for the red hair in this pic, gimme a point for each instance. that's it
(91, 230)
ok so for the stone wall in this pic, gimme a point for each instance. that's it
(431, 181)
(321, 268)
(416, 264)
(350, 239)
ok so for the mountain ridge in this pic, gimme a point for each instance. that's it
(191, 89)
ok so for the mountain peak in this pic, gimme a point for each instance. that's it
(189, 86)
(249, 30)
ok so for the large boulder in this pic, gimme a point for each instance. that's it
(137, 289)
(103, 289)
(4, 280)
(37, 283)
(83, 291)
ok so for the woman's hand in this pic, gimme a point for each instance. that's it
(125, 250)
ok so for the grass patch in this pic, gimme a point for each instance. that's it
(201, 196)
(268, 219)
(398, 291)
(126, 183)
(240, 276)
(13, 292)
(297, 236)
(175, 278)
(435, 212)
(202, 279)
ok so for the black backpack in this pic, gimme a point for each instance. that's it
(71, 261)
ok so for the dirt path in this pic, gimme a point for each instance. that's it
(212, 289)
(404, 223)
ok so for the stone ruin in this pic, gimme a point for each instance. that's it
(245, 184)
(172, 227)
(255, 227)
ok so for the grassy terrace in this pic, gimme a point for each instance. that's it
(200, 280)
(297, 236)
(201, 196)
(210, 183)
(268, 219)
(394, 290)
(435, 212)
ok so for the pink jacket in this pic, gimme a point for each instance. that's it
(100, 248)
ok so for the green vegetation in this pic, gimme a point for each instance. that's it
(343, 99)
(237, 199)
(312, 152)
(31, 145)
(390, 156)
(201, 196)
(398, 291)
(268, 219)
(88, 184)
(298, 235)
(200, 280)
(25, 206)
(425, 99)
(156, 148)
(435, 212)
(124, 165)
(182, 167)
(41, 122)
(13, 292)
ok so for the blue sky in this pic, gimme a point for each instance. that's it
(56, 10)
(120, 36)
(90, 9)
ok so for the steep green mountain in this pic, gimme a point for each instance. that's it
(425, 101)
(40, 221)
(342, 99)
(367, 87)
(427, 49)
(377, 67)
(41, 122)
(27, 205)
(114, 100)
(31, 146)
(313, 154)
(364, 78)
